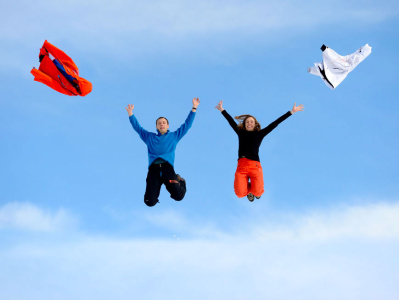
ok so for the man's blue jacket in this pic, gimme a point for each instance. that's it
(162, 145)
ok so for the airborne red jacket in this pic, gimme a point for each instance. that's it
(58, 71)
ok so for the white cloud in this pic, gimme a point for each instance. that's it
(319, 255)
(26, 216)
(104, 31)
(181, 17)
(180, 226)
(371, 221)
(104, 26)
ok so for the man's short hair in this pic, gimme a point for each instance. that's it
(162, 118)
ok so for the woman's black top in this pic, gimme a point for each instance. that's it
(250, 141)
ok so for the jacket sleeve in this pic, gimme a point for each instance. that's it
(274, 124)
(60, 55)
(230, 120)
(143, 134)
(181, 131)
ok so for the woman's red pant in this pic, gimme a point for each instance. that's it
(248, 178)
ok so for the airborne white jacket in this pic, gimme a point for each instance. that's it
(334, 68)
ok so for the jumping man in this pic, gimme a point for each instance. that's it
(161, 151)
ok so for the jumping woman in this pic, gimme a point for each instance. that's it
(249, 176)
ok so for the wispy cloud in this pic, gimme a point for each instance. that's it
(26, 216)
(322, 254)
(372, 221)
(181, 226)
(123, 28)
(181, 17)
(123, 31)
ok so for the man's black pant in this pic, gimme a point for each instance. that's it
(163, 174)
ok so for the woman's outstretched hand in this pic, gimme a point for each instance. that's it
(297, 108)
(219, 106)
(129, 109)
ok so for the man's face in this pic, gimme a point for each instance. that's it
(162, 125)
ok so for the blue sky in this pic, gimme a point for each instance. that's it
(72, 219)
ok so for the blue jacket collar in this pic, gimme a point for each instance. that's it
(159, 133)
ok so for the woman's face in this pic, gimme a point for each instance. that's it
(250, 124)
